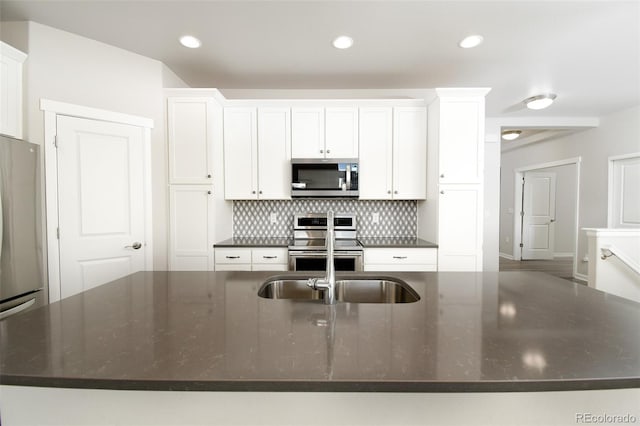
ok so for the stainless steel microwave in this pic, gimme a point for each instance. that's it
(324, 178)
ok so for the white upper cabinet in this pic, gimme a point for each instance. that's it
(257, 153)
(11, 61)
(240, 154)
(461, 140)
(190, 126)
(409, 153)
(375, 178)
(307, 133)
(324, 132)
(393, 153)
(341, 133)
(274, 153)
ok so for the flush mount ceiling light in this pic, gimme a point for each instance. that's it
(342, 42)
(471, 41)
(540, 101)
(190, 42)
(509, 135)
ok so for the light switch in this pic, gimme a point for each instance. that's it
(273, 218)
(375, 218)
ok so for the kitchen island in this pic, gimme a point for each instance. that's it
(482, 334)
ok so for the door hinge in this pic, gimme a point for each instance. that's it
(521, 213)
(521, 245)
(58, 233)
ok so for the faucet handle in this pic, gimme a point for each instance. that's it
(311, 282)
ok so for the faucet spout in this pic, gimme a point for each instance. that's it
(328, 283)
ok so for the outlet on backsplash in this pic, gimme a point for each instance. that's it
(375, 218)
(273, 218)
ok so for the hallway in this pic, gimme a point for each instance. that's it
(561, 267)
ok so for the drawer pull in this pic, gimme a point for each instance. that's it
(269, 257)
(399, 257)
(232, 257)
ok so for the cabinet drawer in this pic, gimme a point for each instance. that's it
(269, 255)
(401, 256)
(233, 256)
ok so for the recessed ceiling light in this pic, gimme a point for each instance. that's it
(343, 42)
(540, 101)
(509, 135)
(471, 41)
(190, 42)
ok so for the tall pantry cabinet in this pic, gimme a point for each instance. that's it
(191, 209)
(455, 178)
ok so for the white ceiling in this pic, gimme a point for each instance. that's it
(586, 52)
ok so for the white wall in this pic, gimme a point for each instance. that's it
(618, 134)
(69, 68)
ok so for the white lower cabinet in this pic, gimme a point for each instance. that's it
(269, 259)
(251, 259)
(191, 230)
(401, 259)
(460, 228)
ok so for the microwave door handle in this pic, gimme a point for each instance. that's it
(348, 176)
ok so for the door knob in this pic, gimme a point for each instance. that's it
(134, 246)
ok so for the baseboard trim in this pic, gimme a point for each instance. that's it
(581, 277)
(562, 255)
(506, 256)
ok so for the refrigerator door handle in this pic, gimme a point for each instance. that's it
(21, 307)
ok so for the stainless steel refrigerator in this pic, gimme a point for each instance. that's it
(21, 227)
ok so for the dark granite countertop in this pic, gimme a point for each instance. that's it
(396, 242)
(208, 331)
(255, 242)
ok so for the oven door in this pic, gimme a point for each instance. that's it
(317, 260)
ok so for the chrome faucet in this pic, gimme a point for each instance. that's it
(328, 283)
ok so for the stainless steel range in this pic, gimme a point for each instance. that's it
(309, 251)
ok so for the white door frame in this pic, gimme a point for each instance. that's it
(517, 207)
(51, 110)
(610, 221)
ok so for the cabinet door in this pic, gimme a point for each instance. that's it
(461, 140)
(191, 231)
(190, 127)
(376, 155)
(274, 153)
(11, 61)
(240, 154)
(460, 228)
(410, 153)
(307, 132)
(341, 133)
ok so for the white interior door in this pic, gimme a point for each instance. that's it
(100, 202)
(538, 221)
(624, 200)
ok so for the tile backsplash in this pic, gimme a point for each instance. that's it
(253, 218)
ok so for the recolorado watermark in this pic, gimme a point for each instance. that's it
(604, 418)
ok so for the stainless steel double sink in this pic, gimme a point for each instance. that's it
(352, 289)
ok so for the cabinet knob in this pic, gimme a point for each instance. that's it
(442, 192)
(395, 192)
(321, 151)
(208, 176)
(253, 192)
(389, 192)
(209, 192)
(259, 192)
(328, 151)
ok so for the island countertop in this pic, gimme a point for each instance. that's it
(209, 331)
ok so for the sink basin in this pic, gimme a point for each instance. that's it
(352, 290)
